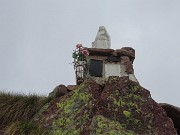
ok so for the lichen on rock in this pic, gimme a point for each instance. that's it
(101, 125)
(121, 106)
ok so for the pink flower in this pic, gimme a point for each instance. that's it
(85, 52)
(78, 45)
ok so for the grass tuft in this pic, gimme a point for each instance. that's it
(23, 128)
(19, 107)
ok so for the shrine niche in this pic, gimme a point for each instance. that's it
(101, 62)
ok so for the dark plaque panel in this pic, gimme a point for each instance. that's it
(95, 68)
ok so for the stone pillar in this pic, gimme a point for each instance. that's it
(125, 60)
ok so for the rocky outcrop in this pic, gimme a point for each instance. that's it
(126, 51)
(121, 106)
(173, 112)
(58, 91)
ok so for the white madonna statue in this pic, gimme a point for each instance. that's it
(102, 39)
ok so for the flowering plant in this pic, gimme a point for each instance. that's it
(80, 53)
(80, 62)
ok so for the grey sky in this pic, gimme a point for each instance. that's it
(37, 38)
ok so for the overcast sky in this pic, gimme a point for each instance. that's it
(37, 38)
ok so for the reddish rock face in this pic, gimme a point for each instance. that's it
(145, 115)
(126, 52)
(129, 49)
(121, 106)
(58, 91)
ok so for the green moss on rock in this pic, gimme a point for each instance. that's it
(103, 126)
(71, 109)
(127, 113)
(121, 107)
